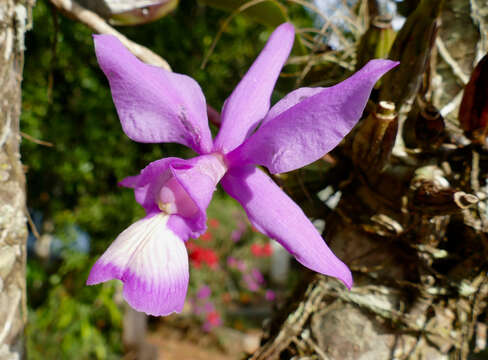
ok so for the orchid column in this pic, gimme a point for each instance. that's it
(155, 106)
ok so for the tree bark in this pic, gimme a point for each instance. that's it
(412, 230)
(15, 17)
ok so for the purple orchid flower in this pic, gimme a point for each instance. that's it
(155, 105)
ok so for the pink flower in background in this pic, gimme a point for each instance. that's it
(241, 265)
(202, 309)
(270, 295)
(204, 292)
(231, 262)
(237, 233)
(250, 282)
(209, 307)
(257, 276)
(156, 106)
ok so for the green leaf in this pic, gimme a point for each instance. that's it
(267, 13)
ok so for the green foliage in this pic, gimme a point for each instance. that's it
(71, 321)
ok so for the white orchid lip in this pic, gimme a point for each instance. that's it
(151, 261)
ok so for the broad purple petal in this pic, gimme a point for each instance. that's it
(152, 262)
(273, 213)
(250, 100)
(154, 105)
(178, 186)
(307, 124)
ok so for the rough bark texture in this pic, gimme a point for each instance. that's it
(412, 227)
(14, 21)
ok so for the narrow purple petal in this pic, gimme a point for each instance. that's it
(307, 124)
(290, 100)
(273, 213)
(152, 262)
(250, 100)
(177, 186)
(154, 105)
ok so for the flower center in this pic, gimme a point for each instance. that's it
(173, 198)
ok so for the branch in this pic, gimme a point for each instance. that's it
(446, 56)
(77, 12)
(73, 10)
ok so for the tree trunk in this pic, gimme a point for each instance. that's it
(15, 20)
(412, 227)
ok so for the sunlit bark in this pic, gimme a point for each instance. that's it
(15, 20)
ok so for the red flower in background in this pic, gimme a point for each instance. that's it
(256, 249)
(213, 318)
(261, 251)
(200, 255)
(206, 236)
(213, 223)
(266, 249)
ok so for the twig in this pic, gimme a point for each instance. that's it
(32, 224)
(98, 24)
(452, 105)
(315, 9)
(320, 58)
(320, 353)
(34, 140)
(446, 56)
(224, 26)
(316, 43)
(475, 171)
(214, 116)
(475, 312)
(478, 14)
(293, 324)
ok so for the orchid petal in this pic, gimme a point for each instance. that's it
(304, 129)
(290, 100)
(148, 183)
(250, 100)
(273, 213)
(199, 177)
(183, 187)
(152, 262)
(154, 105)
